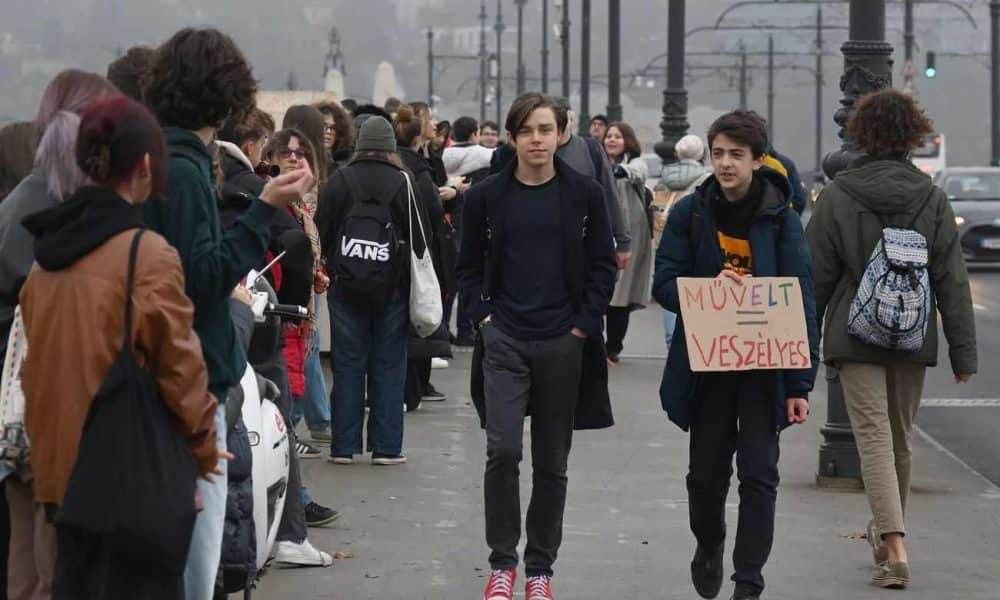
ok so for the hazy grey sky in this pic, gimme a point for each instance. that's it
(39, 38)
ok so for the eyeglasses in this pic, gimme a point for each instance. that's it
(287, 153)
(329, 128)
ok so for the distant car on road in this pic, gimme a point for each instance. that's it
(975, 197)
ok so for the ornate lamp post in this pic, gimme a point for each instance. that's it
(674, 124)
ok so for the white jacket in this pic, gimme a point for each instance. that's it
(464, 159)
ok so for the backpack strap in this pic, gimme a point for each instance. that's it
(353, 185)
(130, 284)
(923, 207)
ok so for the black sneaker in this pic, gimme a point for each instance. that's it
(304, 450)
(318, 515)
(746, 596)
(381, 459)
(432, 395)
(706, 572)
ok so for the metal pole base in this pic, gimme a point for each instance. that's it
(674, 124)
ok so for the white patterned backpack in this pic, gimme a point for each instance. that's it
(14, 446)
(892, 306)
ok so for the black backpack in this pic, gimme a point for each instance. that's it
(368, 257)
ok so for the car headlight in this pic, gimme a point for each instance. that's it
(959, 220)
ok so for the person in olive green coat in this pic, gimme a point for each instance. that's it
(882, 387)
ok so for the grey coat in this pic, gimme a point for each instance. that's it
(634, 283)
(16, 251)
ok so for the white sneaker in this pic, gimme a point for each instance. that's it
(300, 555)
(439, 363)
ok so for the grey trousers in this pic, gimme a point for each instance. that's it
(543, 378)
(882, 403)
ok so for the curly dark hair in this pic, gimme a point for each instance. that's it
(200, 78)
(343, 125)
(889, 123)
(130, 72)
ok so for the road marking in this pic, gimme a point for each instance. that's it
(979, 307)
(959, 402)
(991, 488)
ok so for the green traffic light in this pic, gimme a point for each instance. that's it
(930, 72)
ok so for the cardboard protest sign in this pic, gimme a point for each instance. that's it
(758, 325)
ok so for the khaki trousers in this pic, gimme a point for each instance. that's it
(882, 403)
(32, 559)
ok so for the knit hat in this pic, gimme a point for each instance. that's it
(690, 147)
(376, 135)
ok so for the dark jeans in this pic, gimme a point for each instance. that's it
(373, 341)
(543, 378)
(735, 413)
(617, 317)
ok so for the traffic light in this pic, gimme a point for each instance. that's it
(930, 71)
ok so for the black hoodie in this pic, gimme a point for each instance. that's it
(80, 225)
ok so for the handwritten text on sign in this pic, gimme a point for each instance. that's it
(757, 325)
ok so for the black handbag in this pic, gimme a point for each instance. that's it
(134, 479)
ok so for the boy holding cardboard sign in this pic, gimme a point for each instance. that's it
(737, 224)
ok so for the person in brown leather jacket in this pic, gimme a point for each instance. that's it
(73, 305)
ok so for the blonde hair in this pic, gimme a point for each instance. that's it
(55, 157)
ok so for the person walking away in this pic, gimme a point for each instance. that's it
(678, 180)
(735, 225)
(538, 265)
(183, 93)
(414, 129)
(632, 290)
(365, 206)
(83, 247)
(54, 177)
(880, 206)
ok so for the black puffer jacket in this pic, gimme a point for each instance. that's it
(238, 562)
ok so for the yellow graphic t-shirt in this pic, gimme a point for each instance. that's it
(736, 255)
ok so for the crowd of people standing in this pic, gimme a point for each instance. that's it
(147, 197)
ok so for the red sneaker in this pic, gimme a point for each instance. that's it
(538, 588)
(501, 585)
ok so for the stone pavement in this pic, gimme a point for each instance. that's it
(416, 531)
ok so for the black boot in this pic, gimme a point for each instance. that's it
(706, 571)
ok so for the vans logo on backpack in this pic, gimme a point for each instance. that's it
(364, 250)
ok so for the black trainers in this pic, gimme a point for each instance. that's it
(304, 450)
(744, 592)
(378, 458)
(318, 515)
(432, 395)
(706, 572)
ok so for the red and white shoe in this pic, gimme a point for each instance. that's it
(500, 585)
(538, 588)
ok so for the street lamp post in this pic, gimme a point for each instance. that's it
(614, 60)
(674, 124)
(867, 68)
(743, 77)
(995, 82)
(585, 68)
(499, 28)
(819, 86)
(909, 79)
(520, 46)
(482, 60)
(564, 39)
(430, 67)
(545, 46)
(770, 89)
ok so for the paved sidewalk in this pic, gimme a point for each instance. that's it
(416, 531)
